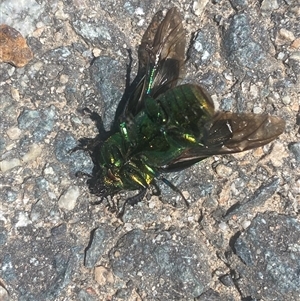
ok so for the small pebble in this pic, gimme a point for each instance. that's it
(13, 47)
(257, 110)
(15, 94)
(199, 6)
(269, 5)
(223, 226)
(34, 152)
(6, 165)
(246, 224)
(60, 89)
(286, 100)
(280, 55)
(23, 220)
(64, 78)
(102, 275)
(68, 199)
(295, 56)
(278, 154)
(223, 170)
(13, 133)
(284, 36)
(296, 43)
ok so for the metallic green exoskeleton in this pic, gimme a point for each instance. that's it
(164, 127)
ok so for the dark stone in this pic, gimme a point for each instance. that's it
(161, 265)
(39, 123)
(270, 250)
(77, 161)
(262, 194)
(242, 50)
(9, 195)
(239, 4)
(3, 236)
(227, 280)
(203, 47)
(100, 238)
(107, 75)
(49, 262)
(295, 149)
(28, 119)
(226, 104)
(85, 296)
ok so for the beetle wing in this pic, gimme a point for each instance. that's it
(229, 133)
(166, 57)
(161, 59)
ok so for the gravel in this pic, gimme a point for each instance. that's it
(238, 240)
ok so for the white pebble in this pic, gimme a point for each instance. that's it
(6, 165)
(68, 200)
(13, 133)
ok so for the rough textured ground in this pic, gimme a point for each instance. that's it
(240, 238)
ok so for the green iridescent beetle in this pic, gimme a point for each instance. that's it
(164, 127)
